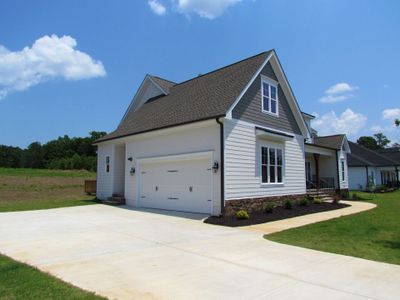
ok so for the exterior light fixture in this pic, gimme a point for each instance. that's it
(132, 171)
(215, 166)
(130, 158)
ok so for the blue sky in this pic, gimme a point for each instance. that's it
(69, 67)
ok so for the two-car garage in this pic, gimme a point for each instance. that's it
(181, 182)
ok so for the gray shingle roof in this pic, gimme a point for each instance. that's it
(361, 156)
(391, 153)
(203, 97)
(330, 141)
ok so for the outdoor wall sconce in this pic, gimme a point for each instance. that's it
(215, 167)
(132, 171)
(130, 158)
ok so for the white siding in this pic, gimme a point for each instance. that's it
(242, 164)
(104, 179)
(357, 178)
(119, 169)
(198, 137)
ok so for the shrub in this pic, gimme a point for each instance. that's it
(288, 204)
(304, 202)
(242, 215)
(269, 207)
(317, 200)
(335, 199)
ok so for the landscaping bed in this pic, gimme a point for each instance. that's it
(278, 213)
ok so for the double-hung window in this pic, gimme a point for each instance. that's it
(271, 165)
(269, 95)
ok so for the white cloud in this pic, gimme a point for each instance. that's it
(338, 92)
(391, 113)
(349, 122)
(340, 88)
(157, 7)
(209, 9)
(49, 57)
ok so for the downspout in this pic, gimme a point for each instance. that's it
(367, 186)
(221, 140)
(337, 171)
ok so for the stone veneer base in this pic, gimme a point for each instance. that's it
(256, 204)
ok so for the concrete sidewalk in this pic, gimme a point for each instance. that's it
(276, 226)
(144, 254)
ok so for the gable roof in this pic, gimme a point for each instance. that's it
(204, 97)
(361, 156)
(163, 83)
(330, 141)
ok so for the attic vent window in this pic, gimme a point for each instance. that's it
(269, 97)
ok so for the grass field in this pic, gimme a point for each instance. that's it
(373, 235)
(20, 281)
(30, 189)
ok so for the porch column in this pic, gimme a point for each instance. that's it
(316, 159)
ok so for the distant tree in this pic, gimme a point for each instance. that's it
(368, 142)
(397, 122)
(33, 156)
(61, 153)
(10, 157)
(381, 140)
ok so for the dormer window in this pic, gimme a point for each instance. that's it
(269, 96)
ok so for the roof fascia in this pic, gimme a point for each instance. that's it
(138, 92)
(229, 112)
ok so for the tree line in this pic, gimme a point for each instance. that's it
(64, 153)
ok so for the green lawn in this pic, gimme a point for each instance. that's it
(22, 172)
(20, 281)
(31, 189)
(373, 234)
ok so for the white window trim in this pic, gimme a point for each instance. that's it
(107, 164)
(343, 177)
(275, 146)
(270, 82)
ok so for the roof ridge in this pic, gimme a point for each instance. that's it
(155, 76)
(224, 67)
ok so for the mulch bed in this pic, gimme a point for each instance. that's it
(279, 213)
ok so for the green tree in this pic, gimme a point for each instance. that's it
(381, 140)
(397, 122)
(33, 156)
(10, 157)
(368, 142)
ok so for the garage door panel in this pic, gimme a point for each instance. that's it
(177, 185)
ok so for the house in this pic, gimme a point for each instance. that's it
(393, 153)
(229, 139)
(369, 168)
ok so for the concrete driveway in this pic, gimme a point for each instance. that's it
(130, 254)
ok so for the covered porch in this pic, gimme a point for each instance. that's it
(321, 168)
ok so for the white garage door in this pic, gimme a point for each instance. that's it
(182, 185)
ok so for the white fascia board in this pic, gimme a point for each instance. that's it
(291, 99)
(138, 92)
(229, 112)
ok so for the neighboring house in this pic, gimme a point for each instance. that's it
(232, 138)
(368, 168)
